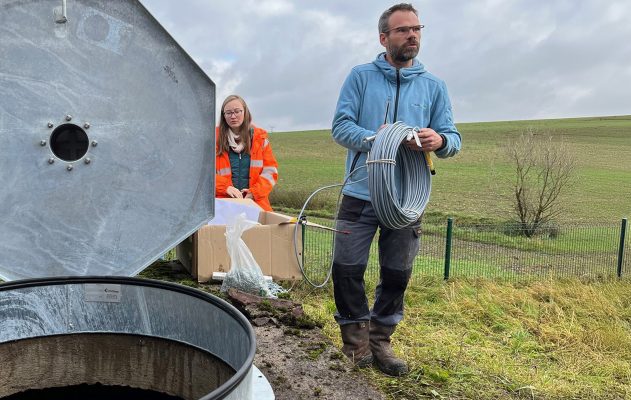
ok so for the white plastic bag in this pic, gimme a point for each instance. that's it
(245, 273)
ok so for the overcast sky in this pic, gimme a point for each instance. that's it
(501, 59)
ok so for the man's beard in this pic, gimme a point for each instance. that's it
(403, 53)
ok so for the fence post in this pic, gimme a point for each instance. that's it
(303, 229)
(450, 222)
(623, 231)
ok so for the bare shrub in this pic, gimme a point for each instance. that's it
(544, 168)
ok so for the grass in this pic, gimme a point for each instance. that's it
(481, 339)
(589, 238)
(478, 338)
(474, 189)
(475, 183)
(586, 252)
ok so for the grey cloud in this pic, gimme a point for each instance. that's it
(501, 59)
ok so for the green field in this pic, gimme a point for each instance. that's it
(475, 183)
(472, 338)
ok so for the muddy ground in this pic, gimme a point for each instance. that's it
(297, 359)
(291, 350)
(305, 365)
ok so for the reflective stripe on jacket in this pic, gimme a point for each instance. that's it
(263, 169)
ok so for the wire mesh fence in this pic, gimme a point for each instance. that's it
(496, 251)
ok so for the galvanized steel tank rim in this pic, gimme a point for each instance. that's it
(219, 393)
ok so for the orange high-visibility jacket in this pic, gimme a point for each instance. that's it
(263, 169)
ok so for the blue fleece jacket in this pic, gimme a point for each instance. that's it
(411, 95)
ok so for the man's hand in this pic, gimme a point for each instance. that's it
(429, 139)
(234, 192)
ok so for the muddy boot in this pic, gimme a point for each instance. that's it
(382, 352)
(356, 347)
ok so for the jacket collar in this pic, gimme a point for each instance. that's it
(405, 74)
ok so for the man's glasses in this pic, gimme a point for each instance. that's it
(229, 114)
(403, 30)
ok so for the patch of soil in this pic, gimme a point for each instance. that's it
(291, 350)
(303, 364)
(296, 358)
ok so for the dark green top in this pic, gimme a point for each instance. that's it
(240, 166)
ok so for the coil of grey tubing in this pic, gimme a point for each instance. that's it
(399, 179)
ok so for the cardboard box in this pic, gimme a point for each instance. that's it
(271, 244)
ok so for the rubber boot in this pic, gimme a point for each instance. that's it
(356, 347)
(382, 352)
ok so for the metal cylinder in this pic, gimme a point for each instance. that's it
(124, 332)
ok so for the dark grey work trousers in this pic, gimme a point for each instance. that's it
(397, 249)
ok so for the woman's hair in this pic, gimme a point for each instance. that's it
(243, 131)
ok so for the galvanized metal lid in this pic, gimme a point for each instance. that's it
(107, 138)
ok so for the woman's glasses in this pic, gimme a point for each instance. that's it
(230, 113)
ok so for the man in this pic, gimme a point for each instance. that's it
(394, 87)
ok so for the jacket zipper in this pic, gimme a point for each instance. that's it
(396, 99)
(396, 106)
(240, 165)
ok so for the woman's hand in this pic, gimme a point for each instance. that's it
(246, 194)
(234, 192)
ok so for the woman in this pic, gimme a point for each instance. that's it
(245, 166)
